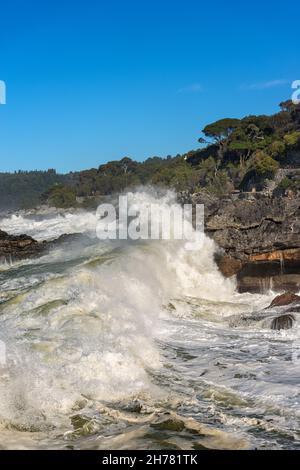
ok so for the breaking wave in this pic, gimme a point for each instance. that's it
(132, 329)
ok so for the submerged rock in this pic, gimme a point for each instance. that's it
(279, 315)
(283, 322)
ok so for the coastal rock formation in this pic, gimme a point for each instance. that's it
(285, 299)
(228, 265)
(16, 247)
(283, 322)
(258, 236)
(281, 314)
(286, 320)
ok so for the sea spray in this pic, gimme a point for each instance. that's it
(101, 327)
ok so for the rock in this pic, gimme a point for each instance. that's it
(283, 322)
(70, 238)
(284, 256)
(259, 237)
(285, 299)
(262, 283)
(16, 247)
(228, 265)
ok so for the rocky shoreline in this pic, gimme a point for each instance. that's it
(18, 247)
(258, 236)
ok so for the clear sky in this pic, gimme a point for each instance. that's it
(90, 80)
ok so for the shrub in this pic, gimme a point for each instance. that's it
(264, 165)
(277, 149)
(286, 183)
(292, 138)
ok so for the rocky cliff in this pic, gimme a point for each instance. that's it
(258, 236)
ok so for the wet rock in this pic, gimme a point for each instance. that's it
(262, 283)
(259, 236)
(228, 265)
(16, 247)
(70, 239)
(284, 299)
(283, 322)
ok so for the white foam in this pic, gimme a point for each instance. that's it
(92, 331)
(51, 225)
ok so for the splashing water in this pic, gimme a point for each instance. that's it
(137, 345)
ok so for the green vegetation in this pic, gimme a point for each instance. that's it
(221, 129)
(250, 150)
(23, 189)
(292, 139)
(288, 183)
(60, 196)
(237, 154)
(277, 149)
(264, 165)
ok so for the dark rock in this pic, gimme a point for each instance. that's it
(16, 247)
(285, 299)
(259, 237)
(261, 283)
(283, 322)
(70, 238)
(228, 265)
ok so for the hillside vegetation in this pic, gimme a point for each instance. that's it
(23, 189)
(253, 153)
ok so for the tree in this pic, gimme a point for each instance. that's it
(221, 129)
(60, 196)
(263, 122)
(287, 105)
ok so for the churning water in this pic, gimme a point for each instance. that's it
(119, 345)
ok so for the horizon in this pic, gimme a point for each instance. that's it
(91, 83)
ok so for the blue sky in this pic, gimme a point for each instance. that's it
(91, 81)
